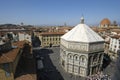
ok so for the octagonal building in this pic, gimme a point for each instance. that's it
(81, 51)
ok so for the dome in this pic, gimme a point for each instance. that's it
(105, 22)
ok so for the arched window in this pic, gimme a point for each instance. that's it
(76, 57)
(83, 60)
(95, 58)
(100, 58)
(70, 56)
(90, 60)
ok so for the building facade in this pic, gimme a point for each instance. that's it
(81, 51)
(114, 46)
(24, 36)
(50, 38)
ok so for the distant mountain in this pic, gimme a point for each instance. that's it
(8, 25)
(11, 26)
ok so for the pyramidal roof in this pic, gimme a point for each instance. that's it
(82, 33)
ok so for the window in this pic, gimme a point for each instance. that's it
(82, 60)
(70, 56)
(76, 57)
(43, 39)
(7, 69)
(111, 44)
(95, 58)
(114, 50)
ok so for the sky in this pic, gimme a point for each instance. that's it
(58, 12)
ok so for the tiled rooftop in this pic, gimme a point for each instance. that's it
(116, 36)
(26, 77)
(52, 33)
(11, 55)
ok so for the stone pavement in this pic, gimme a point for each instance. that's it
(52, 68)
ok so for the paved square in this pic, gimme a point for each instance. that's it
(52, 68)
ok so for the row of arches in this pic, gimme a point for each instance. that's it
(73, 56)
(75, 59)
(74, 62)
(95, 59)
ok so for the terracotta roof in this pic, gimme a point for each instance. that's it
(2, 33)
(116, 36)
(105, 22)
(102, 30)
(19, 44)
(116, 30)
(108, 42)
(52, 33)
(67, 27)
(25, 32)
(94, 29)
(12, 54)
(26, 77)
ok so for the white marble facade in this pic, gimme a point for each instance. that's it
(81, 62)
(81, 57)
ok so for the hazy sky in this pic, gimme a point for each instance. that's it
(57, 12)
